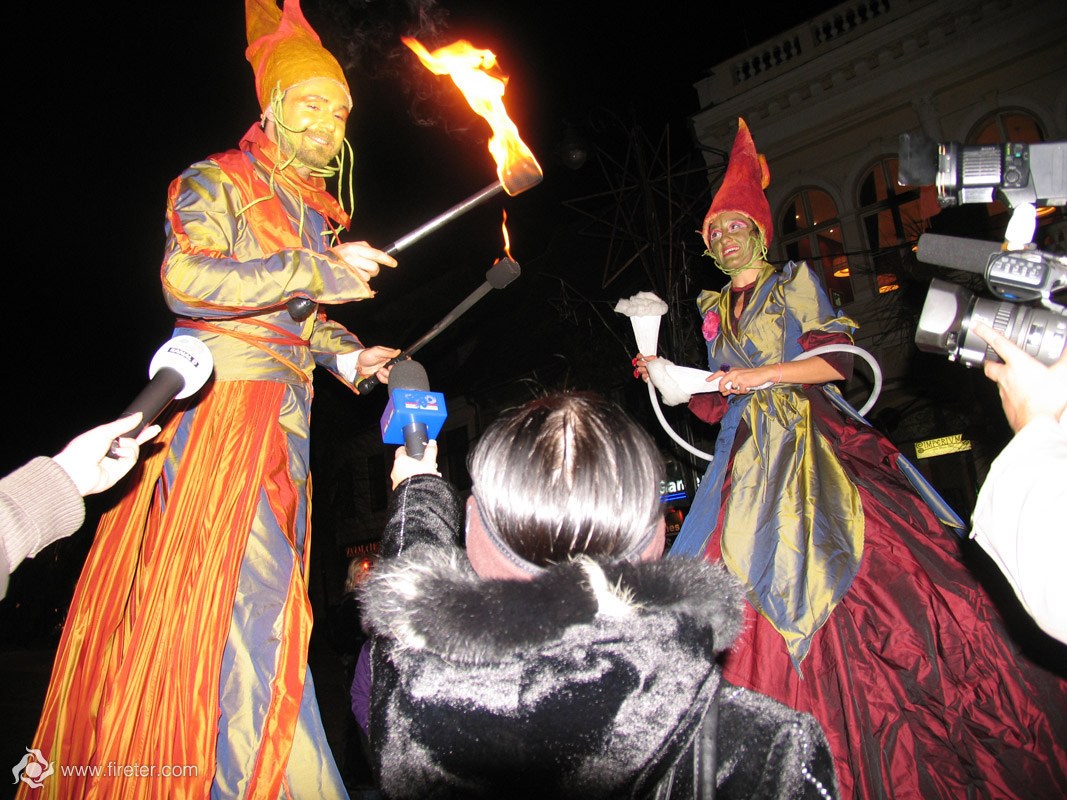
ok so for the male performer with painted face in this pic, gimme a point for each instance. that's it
(186, 645)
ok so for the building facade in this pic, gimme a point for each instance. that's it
(827, 103)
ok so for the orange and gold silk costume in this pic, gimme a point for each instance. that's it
(186, 643)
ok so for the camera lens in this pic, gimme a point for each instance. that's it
(1037, 331)
(950, 311)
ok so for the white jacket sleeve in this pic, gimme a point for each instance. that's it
(1020, 520)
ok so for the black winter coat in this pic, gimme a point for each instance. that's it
(593, 680)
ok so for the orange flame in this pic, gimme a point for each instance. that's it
(472, 70)
(507, 239)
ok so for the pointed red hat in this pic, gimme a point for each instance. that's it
(284, 49)
(747, 175)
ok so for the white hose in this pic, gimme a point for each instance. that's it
(876, 390)
(670, 431)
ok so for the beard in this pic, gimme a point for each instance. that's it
(308, 151)
(315, 154)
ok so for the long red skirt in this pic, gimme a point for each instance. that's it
(916, 677)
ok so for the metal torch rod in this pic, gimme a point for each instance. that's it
(443, 219)
(300, 308)
(451, 317)
(499, 275)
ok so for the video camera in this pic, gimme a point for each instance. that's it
(1022, 176)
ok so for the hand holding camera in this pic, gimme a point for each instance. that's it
(1028, 388)
(1022, 176)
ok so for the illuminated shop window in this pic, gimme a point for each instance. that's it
(809, 230)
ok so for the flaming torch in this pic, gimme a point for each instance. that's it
(476, 75)
(503, 272)
(472, 70)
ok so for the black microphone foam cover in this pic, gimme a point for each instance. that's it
(968, 255)
(409, 374)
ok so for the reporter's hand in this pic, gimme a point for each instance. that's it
(404, 466)
(85, 458)
(1028, 389)
(362, 259)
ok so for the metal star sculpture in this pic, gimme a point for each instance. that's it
(651, 207)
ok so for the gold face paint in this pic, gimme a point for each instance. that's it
(312, 125)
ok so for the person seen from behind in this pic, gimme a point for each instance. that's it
(530, 642)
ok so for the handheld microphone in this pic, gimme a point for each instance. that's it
(178, 369)
(414, 414)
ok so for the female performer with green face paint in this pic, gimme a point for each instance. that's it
(860, 609)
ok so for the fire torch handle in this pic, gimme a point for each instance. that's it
(367, 384)
(443, 219)
(499, 275)
(300, 308)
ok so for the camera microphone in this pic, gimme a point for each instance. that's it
(1015, 275)
(946, 322)
(968, 255)
(414, 414)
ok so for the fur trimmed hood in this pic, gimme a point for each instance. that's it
(432, 601)
(590, 680)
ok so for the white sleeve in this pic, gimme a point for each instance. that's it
(1020, 522)
(347, 363)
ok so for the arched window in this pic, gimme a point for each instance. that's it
(1008, 125)
(892, 220)
(809, 230)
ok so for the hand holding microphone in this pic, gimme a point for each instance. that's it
(404, 466)
(414, 415)
(178, 370)
(89, 462)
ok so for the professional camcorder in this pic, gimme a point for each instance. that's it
(1022, 176)
(1015, 173)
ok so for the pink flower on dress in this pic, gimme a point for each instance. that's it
(711, 325)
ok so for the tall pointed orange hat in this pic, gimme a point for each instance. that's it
(284, 49)
(747, 175)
